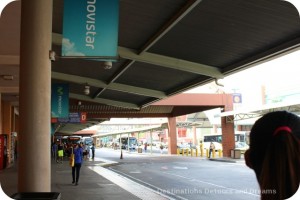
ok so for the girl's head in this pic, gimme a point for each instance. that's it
(274, 154)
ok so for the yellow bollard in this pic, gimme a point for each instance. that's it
(201, 150)
(182, 152)
(213, 153)
(220, 153)
(197, 152)
(207, 153)
(192, 152)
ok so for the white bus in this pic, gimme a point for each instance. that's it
(87, 140)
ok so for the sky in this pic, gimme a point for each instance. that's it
(280, 76)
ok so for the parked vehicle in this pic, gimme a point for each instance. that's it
(185, 147)
(241, 146)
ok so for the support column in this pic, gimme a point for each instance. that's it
(172, 136)
(228, 141)
(34, 173)
(195, 141)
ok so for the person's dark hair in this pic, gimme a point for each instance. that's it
(274, 154)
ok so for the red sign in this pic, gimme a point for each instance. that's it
(53, 120)
(83, 117)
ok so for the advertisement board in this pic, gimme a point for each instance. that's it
(90, 29)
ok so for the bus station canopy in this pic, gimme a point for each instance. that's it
(164, 48)
(256, 112)
(136, 130)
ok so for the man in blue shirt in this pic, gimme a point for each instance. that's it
(78, 155)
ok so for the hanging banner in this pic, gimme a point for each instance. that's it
(59, 100)
(90, 29)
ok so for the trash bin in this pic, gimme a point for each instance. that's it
(235, 153)
(37, 195)
(140, 150)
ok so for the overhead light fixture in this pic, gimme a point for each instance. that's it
(52, 55)
(86, 89)
(107, 65)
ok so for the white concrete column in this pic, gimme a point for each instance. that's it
(34, 173)
(195, 141)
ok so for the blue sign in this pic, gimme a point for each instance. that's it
(73, 118)
(59, 100)
(90, 28)
(237, 97)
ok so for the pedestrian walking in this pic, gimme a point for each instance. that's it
(78, 155)
(145, 147)
(60, 152)
(93, 151)
(211, 148)
(88, 149)
(54, 151)
(161, 148)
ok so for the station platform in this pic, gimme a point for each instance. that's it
(95, 182)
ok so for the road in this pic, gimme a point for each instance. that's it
(182, 177)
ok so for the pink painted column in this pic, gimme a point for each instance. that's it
(228, 141)
(172, 136)
(195, 141)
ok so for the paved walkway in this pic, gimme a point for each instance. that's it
(95, 182)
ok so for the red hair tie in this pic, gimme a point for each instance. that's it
(282, 128)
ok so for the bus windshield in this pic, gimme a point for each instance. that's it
(74, 139)
(132, 143)
(87, 140)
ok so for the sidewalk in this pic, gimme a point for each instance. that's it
(95, 182)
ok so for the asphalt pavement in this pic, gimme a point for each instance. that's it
(96, 181)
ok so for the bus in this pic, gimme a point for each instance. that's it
(87, 141)
(241, 140)
(74, 139)
(132, 143)
(239, 136)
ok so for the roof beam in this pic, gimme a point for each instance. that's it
(176, 18)
(160, 60)
(170, 62)
(104, 101)
(112, 86)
